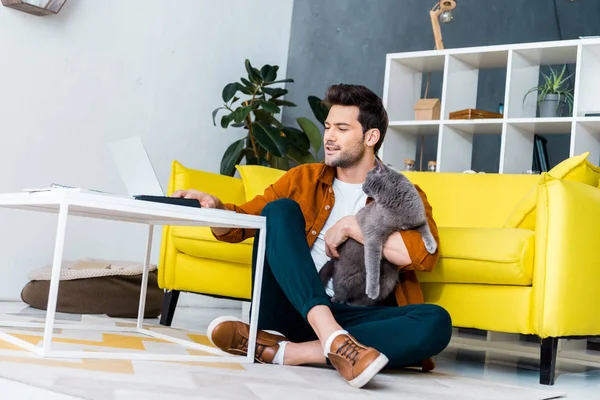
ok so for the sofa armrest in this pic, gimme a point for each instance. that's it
(566, 277)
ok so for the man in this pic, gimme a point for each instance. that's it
(310, 212)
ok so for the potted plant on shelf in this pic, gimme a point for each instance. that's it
(553, 94)
(267, 142)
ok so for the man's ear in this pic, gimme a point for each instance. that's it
(372, 137)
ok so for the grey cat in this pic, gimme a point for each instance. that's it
(361, 276)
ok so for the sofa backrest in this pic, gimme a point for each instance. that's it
(472, 200)
(226, 188)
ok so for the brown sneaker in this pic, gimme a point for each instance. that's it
(355, 363)
(231, 335)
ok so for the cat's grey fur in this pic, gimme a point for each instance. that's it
(361, 276)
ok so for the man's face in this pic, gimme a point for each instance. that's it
(343, 139)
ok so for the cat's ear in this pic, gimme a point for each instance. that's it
(379, 165)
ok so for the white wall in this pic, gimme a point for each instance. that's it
(105, 70)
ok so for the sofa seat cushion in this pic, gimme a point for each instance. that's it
(199, 242)
(495, 256)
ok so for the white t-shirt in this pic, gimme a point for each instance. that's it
(349, 199)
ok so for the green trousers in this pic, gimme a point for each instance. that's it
(291, 287)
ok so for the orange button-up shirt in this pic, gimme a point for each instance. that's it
(310, 185)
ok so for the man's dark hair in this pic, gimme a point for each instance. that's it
(371, 113)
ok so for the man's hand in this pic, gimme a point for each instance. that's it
(206, 200)
(339, 233)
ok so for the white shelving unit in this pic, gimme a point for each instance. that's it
(460, 69)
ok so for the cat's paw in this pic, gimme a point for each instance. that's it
(337, 299)
(372, 291)
(430, 244)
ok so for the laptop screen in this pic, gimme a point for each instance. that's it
(135, 167)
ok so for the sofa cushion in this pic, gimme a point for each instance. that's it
(200, 242)
(257, 178)
(576, 168)
(495, 256)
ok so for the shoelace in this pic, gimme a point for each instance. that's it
(350, 350)
(259, 347)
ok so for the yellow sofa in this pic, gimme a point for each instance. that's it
(517, 252)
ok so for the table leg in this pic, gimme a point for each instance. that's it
(56, 267)
(144, 289)
(260, 260)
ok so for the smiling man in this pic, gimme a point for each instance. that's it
(310, 212)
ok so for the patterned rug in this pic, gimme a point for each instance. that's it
(124, 379)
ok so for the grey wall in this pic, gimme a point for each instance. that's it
(335, 41)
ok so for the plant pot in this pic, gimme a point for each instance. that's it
(550, 107)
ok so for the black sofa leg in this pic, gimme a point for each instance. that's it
(548, 360)
(168, 308)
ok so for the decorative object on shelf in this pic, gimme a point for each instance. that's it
(441, 11)
(427, 109)
(501, 108)
(472, 113)
(432, 166)
(409, 164)
(267, 141)
(36, 7)
(553, 94)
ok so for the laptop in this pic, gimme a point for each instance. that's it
(139, 175)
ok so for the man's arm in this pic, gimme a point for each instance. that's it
(394, 249)
(278, 190)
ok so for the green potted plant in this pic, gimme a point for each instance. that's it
(553, 94)
(253, 104)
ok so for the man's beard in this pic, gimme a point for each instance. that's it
(348, 158)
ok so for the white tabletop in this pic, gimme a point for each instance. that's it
(105, 206)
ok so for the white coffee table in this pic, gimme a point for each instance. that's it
(67, 203)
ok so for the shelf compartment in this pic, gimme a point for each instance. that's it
(477, 126)
(465, 77)
(455, 150)
(588, 99)
(524, 73)
(543, 126)
(516, 149)
(416, 127)
(405, 77)
(586, 137)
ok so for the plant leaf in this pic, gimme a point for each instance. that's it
(253, 73)
(281, 163)
(275, 92)
(243, 89)
(232, 156)
(297, 138)
(313, 133)
(289, 80)
(268, 73)
(300, 156)
(248, 84)
(229, 91)
(270, 138)
(270, 107)
(283, 103)
(262, 115)
(319, 109)
(214, 114)
(226, 120)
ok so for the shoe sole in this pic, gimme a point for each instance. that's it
(369, 372)
(217, 321)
